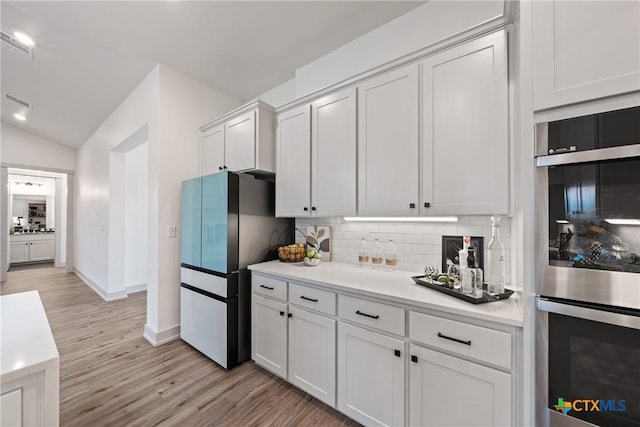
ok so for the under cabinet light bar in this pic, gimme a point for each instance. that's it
(401, 219)
(562, 221)
(619, 221)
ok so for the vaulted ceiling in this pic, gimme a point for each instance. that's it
(89, 55)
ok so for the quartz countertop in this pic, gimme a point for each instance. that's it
(393, 286)
(27, 342)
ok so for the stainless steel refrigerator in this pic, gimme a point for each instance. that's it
(227, 223)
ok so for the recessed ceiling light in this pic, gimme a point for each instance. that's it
(19, 117)
(24, 39)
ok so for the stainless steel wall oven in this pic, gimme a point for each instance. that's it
(588, 269)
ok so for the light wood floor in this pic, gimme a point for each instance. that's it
(111, 376)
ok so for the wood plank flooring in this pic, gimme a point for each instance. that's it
(111, 376)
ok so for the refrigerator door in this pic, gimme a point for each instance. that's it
(215, 221)
(191, 222)
(207, 324)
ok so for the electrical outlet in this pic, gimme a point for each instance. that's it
(172, 231)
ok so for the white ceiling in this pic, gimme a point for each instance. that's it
(90, 55)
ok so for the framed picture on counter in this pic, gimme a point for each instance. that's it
(452, 244)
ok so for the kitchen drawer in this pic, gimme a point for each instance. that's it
(487, 345)
(270, 287)
(316, 299)
(380, 316)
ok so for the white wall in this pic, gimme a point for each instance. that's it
(20, 148)
(184, 105)
(93, 191)
(136, 217)
(420, 28)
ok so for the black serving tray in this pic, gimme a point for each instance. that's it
(437, 286)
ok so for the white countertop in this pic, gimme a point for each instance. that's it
(26, 341)
(395, 286)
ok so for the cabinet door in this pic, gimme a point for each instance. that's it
(584, 50)
(333, 154)
(293, 166)
(19, 252)
(312, 354)
(269, 334)
(388, 143)
(240, 143)
(212, 150)
(465, 151)
(191, 222)
(447, 391)
(41, 250)
(370, 376)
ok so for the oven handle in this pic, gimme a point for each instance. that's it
(600, 154)
(619, 319)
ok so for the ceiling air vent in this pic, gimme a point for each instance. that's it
(15, 44)
(18, 100)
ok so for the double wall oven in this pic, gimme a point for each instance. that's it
(588, 270)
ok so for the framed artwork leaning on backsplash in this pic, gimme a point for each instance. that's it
(319, 237)
(452, 244)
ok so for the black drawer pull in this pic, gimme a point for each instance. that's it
(309, 299)
(305, 209)
(396, 353)
(412, 205)
(367, 315)
(266, 287)
(282, 313)
(440, 335)
(289, 315)
(414, 358)
(427, 204)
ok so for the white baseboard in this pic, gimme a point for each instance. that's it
(105, 295)
(157, 338)
(136, 288)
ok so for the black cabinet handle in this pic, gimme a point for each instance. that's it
(396, 353)
(427, 204)
(414, 358)
(289, 315)
(31, 243)
(367, 315)
(313, 208)
(412, 205)
(266, 287)
(440, 335)
(224, 167)
(282, 313)
(305, 209)
(309, 299)
(220, 167)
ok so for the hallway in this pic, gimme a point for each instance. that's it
(111, 376)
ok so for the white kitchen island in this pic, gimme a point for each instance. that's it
(29, 363)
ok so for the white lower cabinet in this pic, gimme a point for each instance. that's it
(269, 334)
(31, 248)
(449, 391)
(312, 354)
(370, 376)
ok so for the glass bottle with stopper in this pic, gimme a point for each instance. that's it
(496, 261)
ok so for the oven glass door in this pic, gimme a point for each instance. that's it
(594, 215)
(594, 371)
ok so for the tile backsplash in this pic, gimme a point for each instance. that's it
(417, 244)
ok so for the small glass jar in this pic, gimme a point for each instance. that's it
(363, 253)
(376, 256)
(391, 256)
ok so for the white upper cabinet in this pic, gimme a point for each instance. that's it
(584, 50)
(293, 197)
(240, 133)
(316, 158)
(333, 154)
(212, 150)
(388, 143)
(241, 141)
(465, 146)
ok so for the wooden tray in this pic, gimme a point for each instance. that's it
(437, 286)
